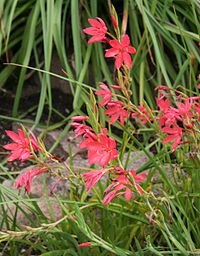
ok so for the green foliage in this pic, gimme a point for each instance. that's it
(165, 220)
(165, 33)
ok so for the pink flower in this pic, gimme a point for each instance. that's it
(79, 118)
(174, 134)
(86, 244)
(113, 193)
(98, 30)
(142, 115)
(168, 113)
(100, 150)
(122, 185)
(138, 178)
(168, 117)
(162, 103)
(184, 109)
(105, 93)
(25, 179)
(81, 129)
(22, 146)
(116, 111)
(93, 177)
(121, 51)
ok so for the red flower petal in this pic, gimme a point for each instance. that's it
(131, 49)
(11, 146)
(119, 61)
(126, 40)
(115, 44)
(13, 136)
(111, 52)
(14, 155)
(127, 59)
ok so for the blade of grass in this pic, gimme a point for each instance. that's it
(25, 52)
(77, 47)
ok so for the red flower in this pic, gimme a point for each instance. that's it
(174, 134)
(22, 146)
(162, 103)
(100, 150)
(122, 185)
(184, 109)
(168, 113)
(116, 111)
(98, 30)
(81, 129)
(25, 179)
(86, 244)
(79, 118)
(121, 50)
(93, 177)
(105, 93)
(168, 117)
(142, 115)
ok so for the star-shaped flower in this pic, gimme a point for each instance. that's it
(22, 145)
(121, 52)
(98, 30)
(105, 93)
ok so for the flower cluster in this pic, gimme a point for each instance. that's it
(101, 148)
(121, 108)
(173, 121)
(142, 115)
(178, 121)
(121, 184)
(24, 147)
(25, 179)
(116, 101)
(120, 47)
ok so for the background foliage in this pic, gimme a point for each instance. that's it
(166, 34)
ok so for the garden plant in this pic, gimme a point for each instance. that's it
(111, 207)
